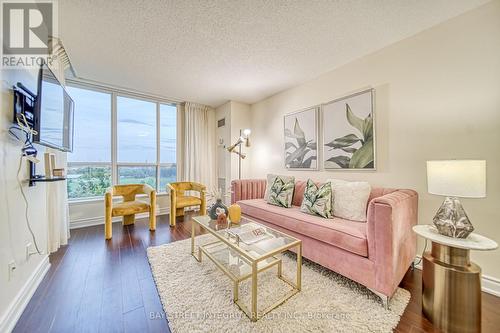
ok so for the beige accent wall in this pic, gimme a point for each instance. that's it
(437, 97)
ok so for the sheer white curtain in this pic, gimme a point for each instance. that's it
(57, 193)
(57, 208)
(197, 160)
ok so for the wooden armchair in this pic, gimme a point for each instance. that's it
(179, 200)
(129, 207)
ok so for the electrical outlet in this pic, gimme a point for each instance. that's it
(12, 267)
(28, 251)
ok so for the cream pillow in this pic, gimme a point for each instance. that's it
(350, 199)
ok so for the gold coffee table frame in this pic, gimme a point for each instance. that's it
(253, 262)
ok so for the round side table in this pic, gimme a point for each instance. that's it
(451, 283)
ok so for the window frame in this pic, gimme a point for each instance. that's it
(115, 93)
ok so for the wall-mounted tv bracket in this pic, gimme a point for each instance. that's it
(24, 104)
(26, 90)
(24, 107)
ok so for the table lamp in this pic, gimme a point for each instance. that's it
(453, 179)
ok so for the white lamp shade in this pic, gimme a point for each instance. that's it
(457, 178)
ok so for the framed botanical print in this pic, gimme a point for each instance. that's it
(349, 132)
(301, 139)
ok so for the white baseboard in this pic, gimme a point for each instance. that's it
(17, 306)
(489, 284)
(90, 221)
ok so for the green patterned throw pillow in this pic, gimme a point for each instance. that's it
(317, 201)
(281, 192)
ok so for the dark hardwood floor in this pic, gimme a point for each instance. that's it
(95, 285)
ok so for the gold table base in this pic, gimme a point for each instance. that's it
(451, 289)
(253, 313)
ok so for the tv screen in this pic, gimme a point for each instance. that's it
(53, 113)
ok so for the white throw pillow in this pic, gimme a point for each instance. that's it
(350, 199)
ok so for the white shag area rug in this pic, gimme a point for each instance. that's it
(197, 297)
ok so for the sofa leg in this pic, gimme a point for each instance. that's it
(384, 298)
(385, 301)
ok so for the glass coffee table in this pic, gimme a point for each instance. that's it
(241, 251)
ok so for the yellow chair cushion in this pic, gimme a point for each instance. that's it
(186, 201)
(129, 208)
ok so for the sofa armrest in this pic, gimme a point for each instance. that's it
(391, 240)
(246, 189)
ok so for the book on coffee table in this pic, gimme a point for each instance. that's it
(249, 233)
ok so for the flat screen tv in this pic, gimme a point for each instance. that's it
(54, 110)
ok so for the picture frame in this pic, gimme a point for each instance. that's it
(348, 130)
(301, 139)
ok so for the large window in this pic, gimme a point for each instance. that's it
(136, 131)
(168, 147)
(137, 174)
(89, 166)
(137, 141)
(88, 181)
(144, 132)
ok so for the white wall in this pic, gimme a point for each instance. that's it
(14, 234)
(437, 97)
(223, 134)
(238, 117)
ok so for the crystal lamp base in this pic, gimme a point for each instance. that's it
(451, 219)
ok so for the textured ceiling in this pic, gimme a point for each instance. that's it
(214, 51)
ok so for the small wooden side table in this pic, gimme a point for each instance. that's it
(451, 283)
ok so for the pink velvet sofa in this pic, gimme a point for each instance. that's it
(376, 253)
